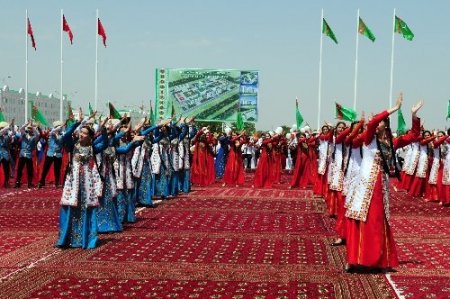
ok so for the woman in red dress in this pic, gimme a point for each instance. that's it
(300, 177)
(370, 242)
(419, 183)
(203, 172)
(334, 197)
(325, 138)
(435, 176)
(263, 175)
(234, 169)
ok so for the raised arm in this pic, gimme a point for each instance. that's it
(355, 132)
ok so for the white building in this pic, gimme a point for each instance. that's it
(12, 105)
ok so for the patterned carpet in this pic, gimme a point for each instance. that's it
(218, 242)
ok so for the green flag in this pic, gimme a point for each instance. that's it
(239, 121)
(91, 111)
(326, 29)
(2, 116)
(401, 124)
(364, 30)
(298, 115)
(448, 110)
(345, 113)
(403, 29)
(113, 113)
(37, 116)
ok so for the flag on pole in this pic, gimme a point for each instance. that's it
(37, 116)
(113, 113)
(364, 30)
(101, 31)
(345, 113)
(326, 29)
(298, 115)
(403, 29)
(401, 124)
(30, 33)
(66, 28)
(2, 116)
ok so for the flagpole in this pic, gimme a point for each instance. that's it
(392, 60)
(61, 83)
(26, 65)
(320, 72)
(356, 62)
(96, 64)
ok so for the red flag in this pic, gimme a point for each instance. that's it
(30, 32)
(101, 31)
(67, 29)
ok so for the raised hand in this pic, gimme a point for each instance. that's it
(416, 107)
(398, 104)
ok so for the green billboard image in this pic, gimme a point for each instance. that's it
(207, 94)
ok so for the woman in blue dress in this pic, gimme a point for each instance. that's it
(141, 166)
(82, 188)
(222, 154)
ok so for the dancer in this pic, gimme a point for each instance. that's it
(234, 170)
(29, 136)
(54, 154)
(370, 242)
(82, 188)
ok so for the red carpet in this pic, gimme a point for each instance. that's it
(218, 243)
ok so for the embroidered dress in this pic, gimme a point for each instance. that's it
(321, 184)
(82, 188)
(142, 173)
(334, 198)
(126, 199)
(444, 193)
(435, 177)
(369, 237)
(142, 168)
(162, 172)
(419, 182)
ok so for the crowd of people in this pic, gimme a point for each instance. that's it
(107, 168)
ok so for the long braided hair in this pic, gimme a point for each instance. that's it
(350, 147)
(388, 165)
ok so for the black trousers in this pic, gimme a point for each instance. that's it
(56, 168)
(247, 160)
(29, 163)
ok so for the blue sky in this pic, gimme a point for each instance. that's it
(278, 38)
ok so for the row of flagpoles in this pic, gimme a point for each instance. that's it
(399, 26)
(65, 27)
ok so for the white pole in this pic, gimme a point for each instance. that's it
(96, 64)
(26, 66)
(61, 83)
(320, 72)
(356, 62)
(392, 60)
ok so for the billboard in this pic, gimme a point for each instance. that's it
(207, 94)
